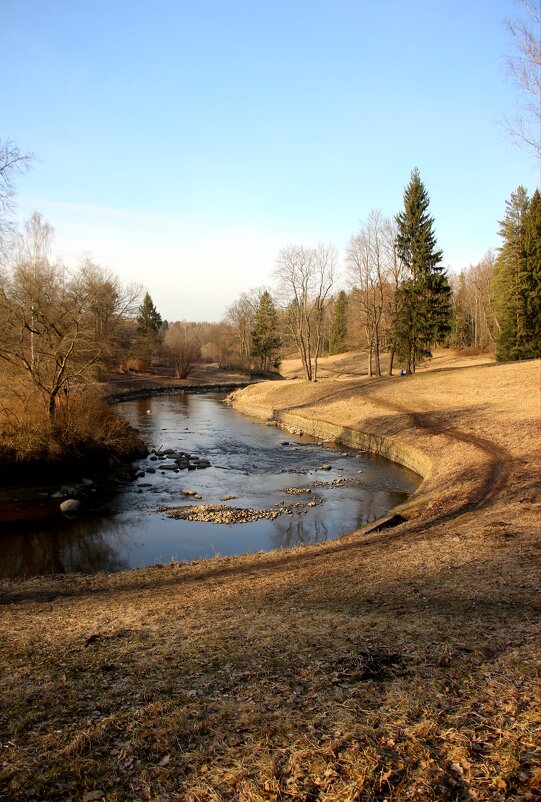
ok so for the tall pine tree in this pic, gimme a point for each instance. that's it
(266, 342)
(511, 280)
(424, 297)
(338, 333)
(149, 319)
(531, 280)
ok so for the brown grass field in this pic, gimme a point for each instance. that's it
(400, 665)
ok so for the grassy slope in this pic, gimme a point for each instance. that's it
(404, 665)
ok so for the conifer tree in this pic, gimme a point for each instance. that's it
(462, 324)
(511, 280)
(149, 319)
(424, 302)
(266, 342)
(337, 337)
(531, 280)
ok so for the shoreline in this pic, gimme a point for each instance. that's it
(23, 486)
(156, 391)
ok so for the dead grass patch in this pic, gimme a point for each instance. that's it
(399, 666)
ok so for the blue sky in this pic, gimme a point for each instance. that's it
(183, 144)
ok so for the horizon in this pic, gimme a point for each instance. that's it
(185, 148)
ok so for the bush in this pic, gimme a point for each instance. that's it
(87, 426)
(86, 431)
(237, 363)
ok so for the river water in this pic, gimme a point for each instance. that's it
(253, 462)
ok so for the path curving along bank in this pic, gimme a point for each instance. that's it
(438, 424)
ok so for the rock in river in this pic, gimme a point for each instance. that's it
(70, 505)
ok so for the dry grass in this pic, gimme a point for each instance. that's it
(398, 666)
(354, 364)
(85, 429)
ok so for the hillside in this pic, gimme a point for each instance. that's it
(393, 666)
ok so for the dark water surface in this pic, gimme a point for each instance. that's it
(248, 459)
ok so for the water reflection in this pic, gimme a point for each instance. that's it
(297, 532)
(70, 546)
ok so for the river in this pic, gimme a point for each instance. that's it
(249, 461)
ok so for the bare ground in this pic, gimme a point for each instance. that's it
(397, 666)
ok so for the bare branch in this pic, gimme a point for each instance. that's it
(525, 68)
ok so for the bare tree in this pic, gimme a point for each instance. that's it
(525, 68)
(305, 278)
(369, 260)
(241, 316)
(394, 276)
(34, 250)
(46, 342)
(181, 348)
(55, 327)
(12, 161)
(109, 306)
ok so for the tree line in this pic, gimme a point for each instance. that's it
(399, 300)
(63, 329)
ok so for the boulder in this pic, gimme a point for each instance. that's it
(70, 505)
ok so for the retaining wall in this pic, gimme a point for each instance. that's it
(387, 447)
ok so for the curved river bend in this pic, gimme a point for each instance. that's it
(250, 461)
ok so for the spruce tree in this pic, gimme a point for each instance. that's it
(461, 324)
(337, 337)
(531, 279)
(510, 280)
(148, 319)
(266, 341)
(424, 297)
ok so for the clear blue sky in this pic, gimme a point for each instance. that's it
(182, 144)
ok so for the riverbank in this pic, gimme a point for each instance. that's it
(38, 459)
(400, 665)
(87, 444)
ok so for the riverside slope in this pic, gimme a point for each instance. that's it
(399, 665)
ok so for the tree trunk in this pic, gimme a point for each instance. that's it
(376, 349)
(52, 405)
(391, 360)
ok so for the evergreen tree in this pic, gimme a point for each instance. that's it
(424, 297)
(531, 280)
(511, 280)
(266, 342)
(462, 334)
(337, 337)
(148, 319)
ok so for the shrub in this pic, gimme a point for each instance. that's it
(85, 431)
